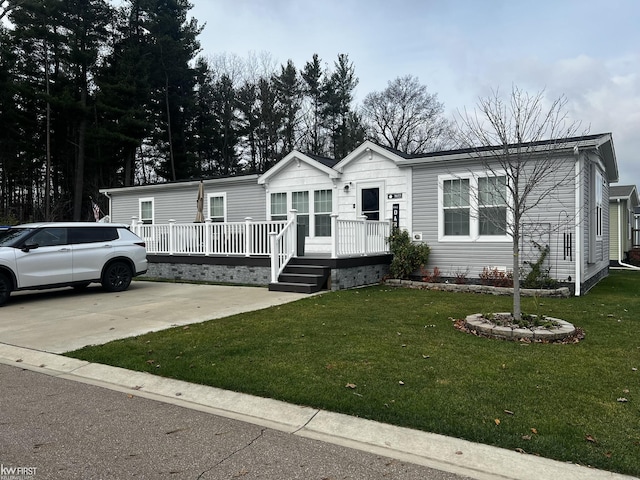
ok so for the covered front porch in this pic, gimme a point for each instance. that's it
(268, 252)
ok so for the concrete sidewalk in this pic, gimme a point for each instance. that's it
(435, 451)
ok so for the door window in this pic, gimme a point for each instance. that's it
(371, 203)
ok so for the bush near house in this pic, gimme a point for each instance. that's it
(407, 256)
(634, 257)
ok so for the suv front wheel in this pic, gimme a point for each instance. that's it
(116, 277)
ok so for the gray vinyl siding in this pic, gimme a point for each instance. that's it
(546, 224)
(594, 262)
(245, 198)
(616, 231)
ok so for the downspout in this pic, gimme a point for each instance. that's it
(620, 262)
(578, 223)
(106, 194)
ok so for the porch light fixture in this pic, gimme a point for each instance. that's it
(347, 186)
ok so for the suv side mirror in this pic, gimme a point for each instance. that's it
(29, 246)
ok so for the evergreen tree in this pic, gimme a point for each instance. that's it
(312, 89)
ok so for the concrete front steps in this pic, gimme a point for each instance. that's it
(302, 275)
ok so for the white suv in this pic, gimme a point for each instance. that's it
(47, 255)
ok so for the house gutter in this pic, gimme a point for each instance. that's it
(106, 194)
(578, 222)
(620, 262)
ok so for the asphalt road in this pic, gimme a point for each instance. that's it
(69, 430)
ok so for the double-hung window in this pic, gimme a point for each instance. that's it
(278, 206)
(146, 210)
(599, 203)
(322, 205)
(217, 207)
(492, 205)
(473, 207)
(456, 207)
(300, 202)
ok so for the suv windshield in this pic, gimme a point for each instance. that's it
(13, 236)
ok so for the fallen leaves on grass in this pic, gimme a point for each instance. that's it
(350, 385)
(590, 438)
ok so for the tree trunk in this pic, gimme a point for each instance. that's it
(517, 311)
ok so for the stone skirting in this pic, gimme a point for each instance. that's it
(345, 272)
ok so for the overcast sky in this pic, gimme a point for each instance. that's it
(587, 50)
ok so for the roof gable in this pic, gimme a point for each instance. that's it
(624, 192)
(368, 147)
(322, 164)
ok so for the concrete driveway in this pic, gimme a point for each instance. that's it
(61, 320)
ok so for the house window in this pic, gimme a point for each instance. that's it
(146, 210)
(322, 206)
(217, 207)
(492, 205)
(278, 206)
(599, 203)
(300, 202)
(456, 207)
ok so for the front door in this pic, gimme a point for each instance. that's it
(370, 203)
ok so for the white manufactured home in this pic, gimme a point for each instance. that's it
(335, 216)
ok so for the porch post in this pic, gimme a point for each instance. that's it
(172, 240)
(207, 236)
(334, 235)
(293, 237)
(248, 241)
(363, 234)
(274, 256)
(134, 224)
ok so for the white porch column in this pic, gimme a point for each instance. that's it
(172, 234)
(274, 256)
(363, 234)
(248, 240)
(334, 235)
(207, 236)
(293, 237)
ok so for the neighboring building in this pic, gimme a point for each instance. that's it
(429, 195)
(623, 203)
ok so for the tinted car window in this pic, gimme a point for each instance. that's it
(93, 235)
(13, 236)
(49, 237)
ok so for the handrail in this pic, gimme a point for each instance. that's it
(283, 246)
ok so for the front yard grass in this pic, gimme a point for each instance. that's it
(392, 355)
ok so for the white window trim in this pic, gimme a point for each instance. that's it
(153, 208)
(224, 204)
(474, 216)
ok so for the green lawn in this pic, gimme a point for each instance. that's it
(393, 355)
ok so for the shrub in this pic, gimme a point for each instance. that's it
(496, 278)
(460, 276)
(429, 277)
(407, 256)
(538, 276)
(634, 256)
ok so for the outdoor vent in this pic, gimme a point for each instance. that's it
(417, 236)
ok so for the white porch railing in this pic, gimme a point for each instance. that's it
(359, 237)
(277, 239)
(246, 238)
